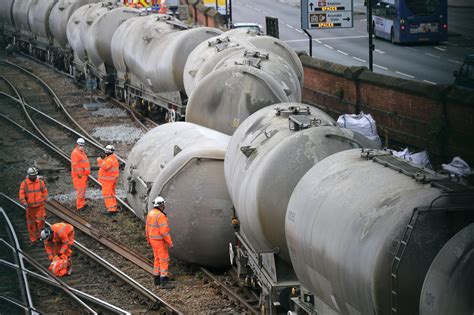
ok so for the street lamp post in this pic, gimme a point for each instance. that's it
(371, 44)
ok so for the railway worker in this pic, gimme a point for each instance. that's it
(58, 240)
(80, 170)
(158, 237)
(33, 194)
(108, 177)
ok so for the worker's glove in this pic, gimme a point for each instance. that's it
(79, 176)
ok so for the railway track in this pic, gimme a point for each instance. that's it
(87, 266)
(90, 217)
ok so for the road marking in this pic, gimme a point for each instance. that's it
(327, 38)
(249, 6)
(258, 10)
(455, 61)
(327, 46)
(429, 82)
(298, 30)
(442, 48)
(404, 74)
(431, 55)
(379, 51)
(317, 41)
(414, 49)
(288, 25)
(449, 43)
(381, 67)
(358, 59)
(344, 53)
(363, 20)
(265, 12)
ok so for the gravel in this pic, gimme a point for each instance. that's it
(109, 112)
(91, 194)
(118, 133)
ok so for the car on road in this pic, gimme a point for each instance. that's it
(465, 75)
(249, 25)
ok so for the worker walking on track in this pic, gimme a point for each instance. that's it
(108, 177)
(58, 240)
(80, 170)
(33, 194)
(159, 238)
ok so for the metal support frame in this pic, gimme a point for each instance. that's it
(371, 44)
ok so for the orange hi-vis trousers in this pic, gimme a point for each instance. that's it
(162, 257)
(35, 217)
(108, 193)
(80, 184)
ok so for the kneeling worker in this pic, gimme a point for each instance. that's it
(159, 238)
(58, 240)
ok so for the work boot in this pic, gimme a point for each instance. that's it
(165, 283)
(157, 280)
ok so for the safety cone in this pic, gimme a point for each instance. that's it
(163, 7)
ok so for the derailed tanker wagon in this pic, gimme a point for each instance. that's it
(241, 83)
(184, 163)
(266, 157)
(363, 228)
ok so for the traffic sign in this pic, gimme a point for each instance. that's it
(318, 14)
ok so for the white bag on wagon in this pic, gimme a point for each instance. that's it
(361, 123)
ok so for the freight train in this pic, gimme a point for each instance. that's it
(315, 217)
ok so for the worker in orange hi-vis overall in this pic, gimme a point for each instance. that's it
(158, 237)
(108, 177)
(58, 240)
(80, 170)
(33, 194)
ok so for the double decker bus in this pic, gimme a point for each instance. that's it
(410, 21)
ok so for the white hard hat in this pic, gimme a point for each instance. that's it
(45, 233)
(159, 201)
(32, 171)
(109, 149)
(81, 141)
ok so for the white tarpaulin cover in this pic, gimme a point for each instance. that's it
(420, 158)
(361, 123)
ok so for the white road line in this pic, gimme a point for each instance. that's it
(288, 25)
(327, 38)
(358, 59)
(317, 41)
(429, 82)
(381, 67)
(455, 61)
(249, 6)
(431, 55)
(363, 20)
(258, 10)
(414, 49)
(265, 12)
(379, 51)
(449, 43)
(298, 30)
(341, 52)
(404, 74)
(327, 46)
(440, 48)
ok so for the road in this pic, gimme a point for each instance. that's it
(433, 64)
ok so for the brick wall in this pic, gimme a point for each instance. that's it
(438, 118)
(203, 15)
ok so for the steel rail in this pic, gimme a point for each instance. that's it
(65, 214)
(117, 272)
(83, 295)
(26, 106)
(14, 302)
(53, 95)
(27, 292)
(62, 154)
(131, 112)
(19, 99)
(229, 292)
(64, 286)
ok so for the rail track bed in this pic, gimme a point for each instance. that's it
(195, 292)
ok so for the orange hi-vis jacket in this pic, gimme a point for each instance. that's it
(157, 227)
(33, 193)
(63, 237)
(80, 165)
(108, 168)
